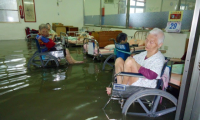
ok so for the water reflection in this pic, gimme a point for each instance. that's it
(52, 79)
(14, 89)
(12, 73)
(91, 68)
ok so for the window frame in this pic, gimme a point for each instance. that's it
(12, 10)
(135, 6)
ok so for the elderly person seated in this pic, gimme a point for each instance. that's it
(148, 63)
(52, 33)
(49, 44)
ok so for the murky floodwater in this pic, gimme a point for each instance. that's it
(70, 92)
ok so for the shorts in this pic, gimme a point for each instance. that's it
(143, 82)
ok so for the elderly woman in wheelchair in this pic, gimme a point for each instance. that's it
(147, 67)
(148, 63)
(43, 40)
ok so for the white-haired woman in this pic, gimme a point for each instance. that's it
(43, 40)
(148, 63)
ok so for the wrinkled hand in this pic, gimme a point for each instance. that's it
(108, 89)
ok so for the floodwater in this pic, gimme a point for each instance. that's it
(69, 92)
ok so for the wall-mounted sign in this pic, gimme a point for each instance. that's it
(175, 16)
(29, 10)
(173, 27)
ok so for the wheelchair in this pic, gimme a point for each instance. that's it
(150, 99)
(30, 34)
(43, 59)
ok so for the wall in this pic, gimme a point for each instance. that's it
(92, 7)
(153, 5)
(169, 5)
(111, 8)
(69, 12)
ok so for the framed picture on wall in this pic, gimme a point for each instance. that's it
(29, 10)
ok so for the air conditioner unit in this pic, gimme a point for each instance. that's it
(108, 1)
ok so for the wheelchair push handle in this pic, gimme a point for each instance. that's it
(112, 39)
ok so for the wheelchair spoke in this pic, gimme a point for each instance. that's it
(137, 114)
(42, 62)
(36, 65)
(155, 104)
(166, 111)
(47, 62)
(143, 106)
(110, 64)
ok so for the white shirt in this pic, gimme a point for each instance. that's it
(154, 63)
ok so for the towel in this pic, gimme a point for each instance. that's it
(165, 77)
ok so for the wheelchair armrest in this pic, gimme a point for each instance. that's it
(57, 42)
(137, 51)
(139, 75)
(176, 61)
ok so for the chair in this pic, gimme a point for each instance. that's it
(42, 59)
(30, 34)
(130, 95)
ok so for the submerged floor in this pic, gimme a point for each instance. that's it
(74, 92)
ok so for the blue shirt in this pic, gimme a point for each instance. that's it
(122, 47)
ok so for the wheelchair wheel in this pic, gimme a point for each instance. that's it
(106, 61)
(42, 60)
(162, 103)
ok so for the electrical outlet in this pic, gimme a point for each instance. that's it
(166, 47)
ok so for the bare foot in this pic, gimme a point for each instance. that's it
(108, 89)
(75, 62)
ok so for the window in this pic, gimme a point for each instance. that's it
(187, 5)
(137, 6)
(108, 1)
(8, 11)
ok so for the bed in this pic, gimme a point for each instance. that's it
(78, 37)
